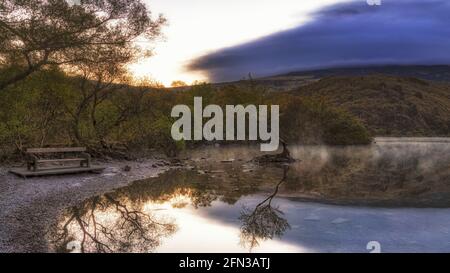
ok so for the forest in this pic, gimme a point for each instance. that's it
(64, 80)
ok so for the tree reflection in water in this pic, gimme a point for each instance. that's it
(106, 224)
(393, 174)
(264, 221)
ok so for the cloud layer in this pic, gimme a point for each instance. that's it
(351, 33)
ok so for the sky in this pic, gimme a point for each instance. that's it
(224, 40)
(200, 27)
(345, 34)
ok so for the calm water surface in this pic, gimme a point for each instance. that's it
(334, 199)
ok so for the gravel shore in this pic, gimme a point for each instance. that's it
(29, 206)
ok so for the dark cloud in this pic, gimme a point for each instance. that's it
(352, 33)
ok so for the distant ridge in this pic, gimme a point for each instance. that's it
(426, 72)
(292, 80)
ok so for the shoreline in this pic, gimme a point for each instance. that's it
(31, 206)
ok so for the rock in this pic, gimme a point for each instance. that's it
(273, 158)
(175, 161)
(112, 170)
(227, 160)
(127, 168)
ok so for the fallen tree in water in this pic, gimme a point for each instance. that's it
(283, 157)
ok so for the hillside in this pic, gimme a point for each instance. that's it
(391, 100)
(295, 79)
(389, 105)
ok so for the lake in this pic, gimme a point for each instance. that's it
(391, 196)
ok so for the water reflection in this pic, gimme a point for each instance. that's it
(388, 173)
(108, 224)
(264, 221)
(223, 202)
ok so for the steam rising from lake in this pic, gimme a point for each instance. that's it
(272, 208)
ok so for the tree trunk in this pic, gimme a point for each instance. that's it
(18, 77)
(76, 130)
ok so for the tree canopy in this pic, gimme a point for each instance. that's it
(38, 33)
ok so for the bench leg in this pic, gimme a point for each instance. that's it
(87, 160)
(32, 165)
(32, 162)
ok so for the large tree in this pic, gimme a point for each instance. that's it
(38, 33)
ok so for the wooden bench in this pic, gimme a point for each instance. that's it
(34, 156)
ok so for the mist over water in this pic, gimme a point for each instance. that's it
(331, 199)
(389, 172)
